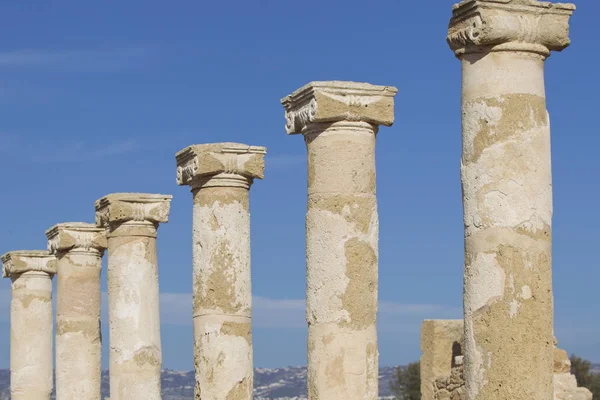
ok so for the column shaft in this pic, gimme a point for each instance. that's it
(342, 260)
(507, 193)
(133, 311)
(507, 197)
(31, 321)
(220, 176)
(78, 340)
(222, 293)
(339, 122)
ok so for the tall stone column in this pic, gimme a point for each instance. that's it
(31, 320)
(339, 121)
(220, 176)
(132, 221)
(78, 248)
(507, 193)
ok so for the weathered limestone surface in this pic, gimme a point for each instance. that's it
(132, 221)
(507, 193)
(339, 121)
(31, 323)
(78, 248)
(220, 176)
(441, 362)
(442, 375)
(565, 384)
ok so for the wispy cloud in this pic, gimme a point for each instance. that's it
(270, 313)
(110, 60)
(285, 160)
(176, 309)
(63, 151)
(83, 151)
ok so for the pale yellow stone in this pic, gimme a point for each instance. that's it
(442, 369)
(441, 343)
(31, 321)
(339, 121)
(78, 248)
(135, 360)
(220, 176)
(507, 193)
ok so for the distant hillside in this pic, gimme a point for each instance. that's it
(269, 384)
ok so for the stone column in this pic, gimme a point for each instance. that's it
(507, 193)
(78, 248)
(31, 321)
(339, 121)
(132, 221)
(220, 176)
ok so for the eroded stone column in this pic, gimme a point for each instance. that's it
(507, 193)
(78, 248)
(220, 176)
(31, 320)
(132, 221)
(339, 121)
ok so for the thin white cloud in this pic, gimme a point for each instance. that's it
(64, 151)
(266, 303)
(83, 151)
(110, 60)
(269, 313)
(285, 160)
(391, 308)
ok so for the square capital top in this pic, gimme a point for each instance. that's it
(205, 160)
(18, 262)
(509, 25)
(123, 207)
(333, 101)
(75, 235)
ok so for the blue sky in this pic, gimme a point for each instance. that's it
(98, 98)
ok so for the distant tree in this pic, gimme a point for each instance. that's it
(595, 386)
(581, 369)
(406, 384)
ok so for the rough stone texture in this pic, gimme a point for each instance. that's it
(565, 384)
(441, 345)
(339, 121)
(31, 323)
(132, 221)
(507, 193)
(78, 248)
(442, 375)
(451, 387)
(220, 176)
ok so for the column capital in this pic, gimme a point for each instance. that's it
(334, 101)
(118, 208)
(479, 26)
(69, 236)
(18, 262)
(220, 164)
